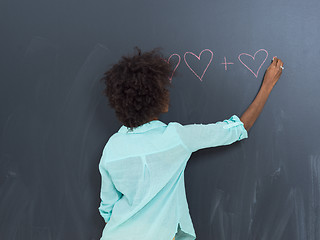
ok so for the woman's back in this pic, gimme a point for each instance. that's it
(143, 170)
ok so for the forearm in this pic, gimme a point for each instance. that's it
(270, 79)
(253, 111)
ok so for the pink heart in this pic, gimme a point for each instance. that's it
(170, 78)
(253, 57)
(198, 59)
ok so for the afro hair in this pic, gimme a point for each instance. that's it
(137, 87)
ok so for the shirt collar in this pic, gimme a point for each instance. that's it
(143, 128)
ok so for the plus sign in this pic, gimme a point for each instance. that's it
(226, 64)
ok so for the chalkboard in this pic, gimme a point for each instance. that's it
(55, 120)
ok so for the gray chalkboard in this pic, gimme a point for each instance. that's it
(55, 120)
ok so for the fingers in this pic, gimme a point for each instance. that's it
(277, 62)
(274, 61)
(280, 64)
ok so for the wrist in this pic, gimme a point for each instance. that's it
(267, 86)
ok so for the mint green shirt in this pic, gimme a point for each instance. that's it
(142, 171)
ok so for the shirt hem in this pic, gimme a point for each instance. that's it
(183, 230)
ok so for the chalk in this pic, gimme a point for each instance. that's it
(280, 66)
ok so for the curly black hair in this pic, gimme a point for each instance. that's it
(137, 87)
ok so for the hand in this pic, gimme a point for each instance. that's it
(273, 72)
(271, 77)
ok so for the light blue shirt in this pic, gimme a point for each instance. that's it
(142, 171)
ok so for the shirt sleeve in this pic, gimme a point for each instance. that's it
(198, 136)
(109, 194)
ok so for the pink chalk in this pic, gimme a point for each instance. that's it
(226, 63)
(253, 57)
(174, 54)
(208, 50)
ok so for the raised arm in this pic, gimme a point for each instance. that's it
(271, 77)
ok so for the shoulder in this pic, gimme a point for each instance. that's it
(173, 128)
(112, 144)
(174, 125)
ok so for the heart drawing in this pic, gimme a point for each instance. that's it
(170, 78)
(253, 57)
(205, 50)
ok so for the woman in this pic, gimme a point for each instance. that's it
(142, 165)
